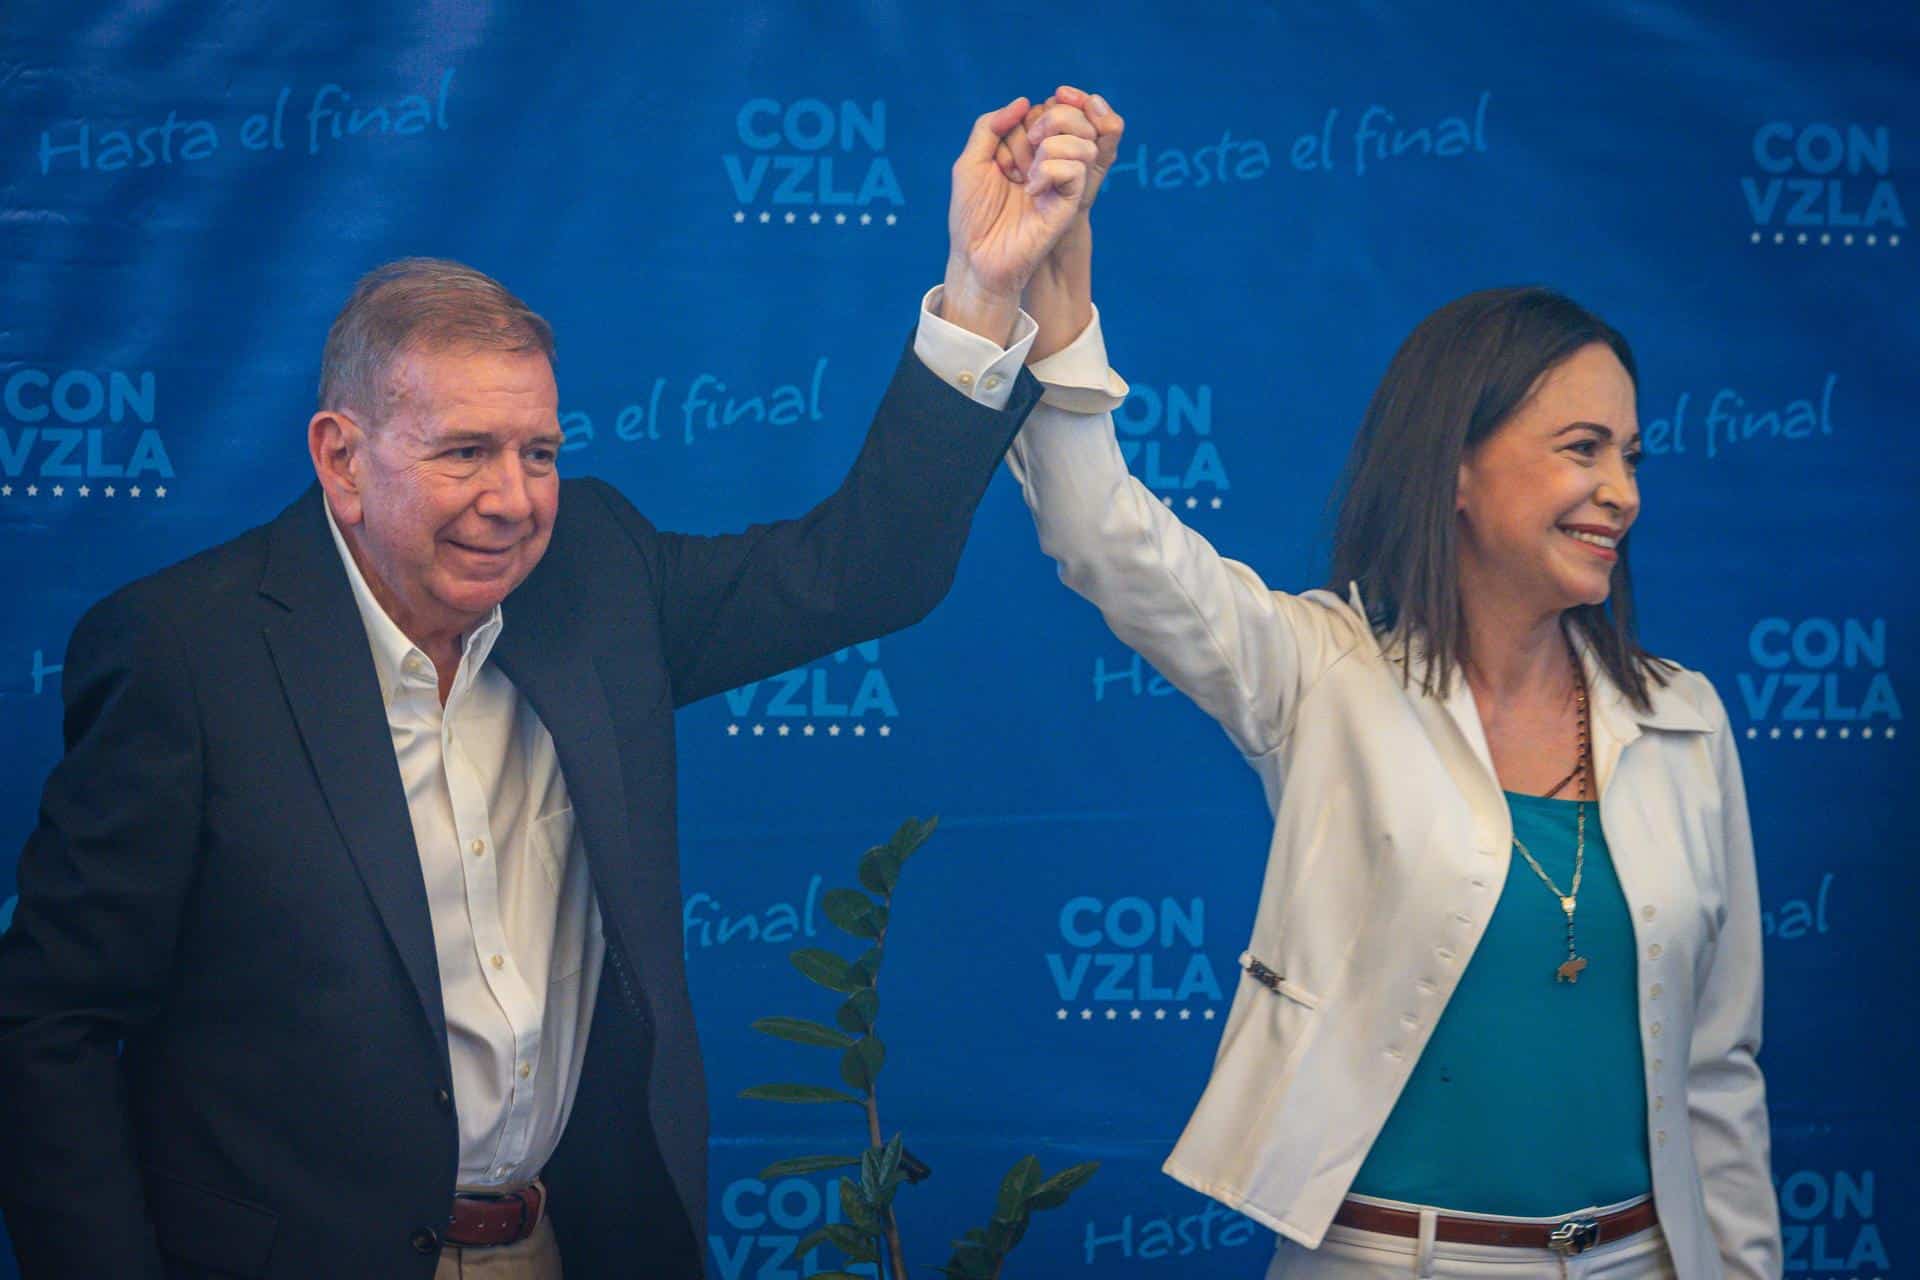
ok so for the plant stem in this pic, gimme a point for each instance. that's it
(895, 1251)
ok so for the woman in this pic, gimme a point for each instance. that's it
(1501, 1005)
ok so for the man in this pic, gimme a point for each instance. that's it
(357, 887)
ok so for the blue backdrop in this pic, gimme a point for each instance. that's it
(729, 221)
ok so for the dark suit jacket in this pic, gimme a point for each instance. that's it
(223, 881)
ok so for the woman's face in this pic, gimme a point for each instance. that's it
(1545, 497)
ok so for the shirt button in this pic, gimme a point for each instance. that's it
(992, 381)
(1659, 1063)
(525, 1070)
(1653, 950)
(479, 848)
(499, 961)
(1647, 912)
(1655, 1030)
(1659, 1104)
(424, 1240)
(1655, 990)
(965, 379)
(1661, 1137)
(442, 1099)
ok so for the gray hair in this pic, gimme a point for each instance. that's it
(417, 304)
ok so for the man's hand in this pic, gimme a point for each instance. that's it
(1059, 295)
(1001, 230)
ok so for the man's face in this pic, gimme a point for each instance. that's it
(457, 486)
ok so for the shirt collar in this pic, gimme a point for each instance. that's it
(397, 660)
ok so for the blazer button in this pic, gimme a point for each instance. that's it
(442, 1099)
(425, 1240)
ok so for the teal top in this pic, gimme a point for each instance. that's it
(1530, 1098)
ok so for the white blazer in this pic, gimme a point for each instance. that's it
(1390, 846)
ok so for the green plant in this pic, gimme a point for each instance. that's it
(872, 1227)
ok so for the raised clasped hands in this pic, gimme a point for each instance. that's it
(1001, 228)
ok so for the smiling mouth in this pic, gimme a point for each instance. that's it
(483, 551)
(1598, 541)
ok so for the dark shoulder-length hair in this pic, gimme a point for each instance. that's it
(1460, 375)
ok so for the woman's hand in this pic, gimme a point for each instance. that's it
(1059, 295)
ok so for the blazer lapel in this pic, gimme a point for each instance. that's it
(320, 650)
(555, 671)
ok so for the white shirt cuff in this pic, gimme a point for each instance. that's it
(977, 367)
(1077, 377)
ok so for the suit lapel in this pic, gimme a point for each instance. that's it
(554, 670)
(320, 651)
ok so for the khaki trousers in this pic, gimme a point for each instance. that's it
(535, 1258)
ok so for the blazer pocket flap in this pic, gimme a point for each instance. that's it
(1275, 982)
(209, 1228)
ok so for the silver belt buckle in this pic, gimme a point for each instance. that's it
(1574, 1236)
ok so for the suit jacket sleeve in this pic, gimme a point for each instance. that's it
(85, 963)
(872, 558)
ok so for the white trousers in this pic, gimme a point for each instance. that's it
(1347, 1254)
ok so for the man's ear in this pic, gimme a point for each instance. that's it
(337, 444)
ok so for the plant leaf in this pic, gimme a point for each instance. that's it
(890, 1164)
(870, 1176)
(801, 1031)
(1021, 1181)
(860, 1065)
(913, 833)
(810, 1243)
(859, 1012)
(856, 1206)
(851, 1241)
(797, 1093)
(1053, 1193)
(852, 911)
(805, 1164)
(829, 970)
(866, 970)
(880, 870)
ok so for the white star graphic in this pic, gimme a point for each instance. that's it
(1779, 237)
(1871, 238)
(1166, 500)
(1847, 238)
(6, 491)
(1185, 1014)
(84, 491)
(135, 491)
(108, 491)
(1844, 732)
(1060, 1014)
(892, 218)
(1215, 504)
(33, 491)
(1086, 1014)
(1867, 732)
(866, 219)
(1752, 733)
(1826, 237)
(1774, 732)
(1112, 1014)
(1799, 733)
(1820, 732)
(1135, 1015)
(1159, 1015)
(739, 216)
(759, 730)
(814, 217)
(1756, 237)
(160, 491)
(1192, 503)
(1803, 237)
(733, 731)
(1893, 240)
(1208, 1015)
(59, 491)
(833, 730)
(1888, 733)
(840, 219)
(859, 731)
(765, 216)
(790, 217)
(785, 730)
(886, 730)
(807, 729)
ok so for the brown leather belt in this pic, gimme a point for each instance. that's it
(481, 1220)
(1568, 1236)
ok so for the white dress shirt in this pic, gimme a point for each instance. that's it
(516, 927)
